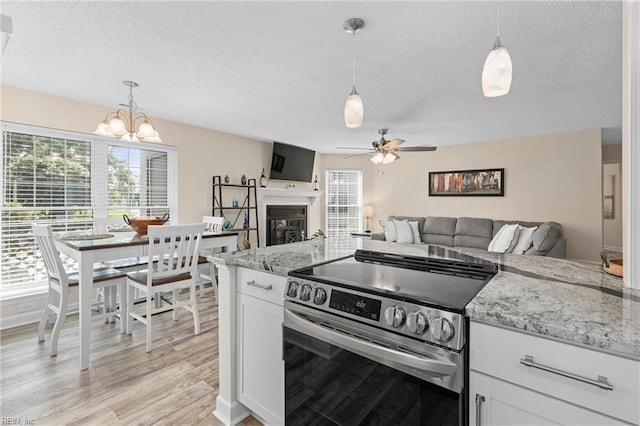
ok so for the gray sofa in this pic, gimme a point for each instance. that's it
(548, 239)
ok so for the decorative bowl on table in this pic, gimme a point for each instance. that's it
(612, 266)
(140, 224)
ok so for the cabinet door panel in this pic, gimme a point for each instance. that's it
(508, 404)
(260, 364)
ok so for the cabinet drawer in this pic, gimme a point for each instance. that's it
(498, 352)
(263, 285)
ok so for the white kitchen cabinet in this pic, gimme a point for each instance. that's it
(509, 392)
(260, 367)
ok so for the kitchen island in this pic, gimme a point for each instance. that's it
(571, 302)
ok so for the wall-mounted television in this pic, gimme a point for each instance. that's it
(290, 162)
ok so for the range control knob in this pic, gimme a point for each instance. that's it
(441, 329)
(305, 292)
(394, 316)
(292, 290)
(417, 322)
(319, 296)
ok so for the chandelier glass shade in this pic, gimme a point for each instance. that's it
(122, 123)
(384, 157)
(353, 107)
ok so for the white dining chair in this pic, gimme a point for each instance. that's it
(206, 269)
(182, 244)
(62, 283)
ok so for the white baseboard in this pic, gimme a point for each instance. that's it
(31, 317)
(20, 319)
(611, 248)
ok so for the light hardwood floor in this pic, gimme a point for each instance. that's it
(175, 384)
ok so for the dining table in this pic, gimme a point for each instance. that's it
(90, 248)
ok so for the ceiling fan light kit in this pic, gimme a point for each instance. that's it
(497, 70)
(353, 107)
(121, 123)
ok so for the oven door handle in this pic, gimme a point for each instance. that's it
(433, 366)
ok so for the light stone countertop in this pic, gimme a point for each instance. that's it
(567, 300)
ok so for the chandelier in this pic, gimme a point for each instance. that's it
(121, 123)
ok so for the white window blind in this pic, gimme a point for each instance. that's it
(67, 179)
(45, 179)
(344, 202)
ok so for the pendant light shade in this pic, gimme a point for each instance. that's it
(497, 71)
(353, 107)
(353, 110)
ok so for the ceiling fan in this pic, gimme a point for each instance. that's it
(384, 151)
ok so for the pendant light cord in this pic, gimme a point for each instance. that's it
(353, 67)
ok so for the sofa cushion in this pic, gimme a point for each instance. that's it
(439, 230)
(473, 232)
(544, 238)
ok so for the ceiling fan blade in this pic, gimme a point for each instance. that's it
(358, 155)
(417, 148)
(352, 147)
(393, 144)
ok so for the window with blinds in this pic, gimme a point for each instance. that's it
(45, 179)
(67, 179)
(344, 202)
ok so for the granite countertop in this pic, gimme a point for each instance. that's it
(571, 301)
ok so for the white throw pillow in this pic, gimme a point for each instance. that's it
(501, 242)
(415, 231)
(404, 231)
(390, 233)
(525, 239)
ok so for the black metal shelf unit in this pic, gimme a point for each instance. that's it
(248, 206)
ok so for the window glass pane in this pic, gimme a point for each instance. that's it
(137, 182)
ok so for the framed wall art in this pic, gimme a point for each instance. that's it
(480, 182)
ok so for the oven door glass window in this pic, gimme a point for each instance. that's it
(328, 385)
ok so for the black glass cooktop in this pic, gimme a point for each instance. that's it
(434, 282)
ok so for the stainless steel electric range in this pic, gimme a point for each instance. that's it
(379, 339)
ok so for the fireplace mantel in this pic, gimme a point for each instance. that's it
(311, 195)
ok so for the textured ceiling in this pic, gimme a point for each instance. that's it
(282, 70)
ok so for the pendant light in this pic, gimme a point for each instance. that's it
(497, 70)
(353, 107)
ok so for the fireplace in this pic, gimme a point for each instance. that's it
(286, 224)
